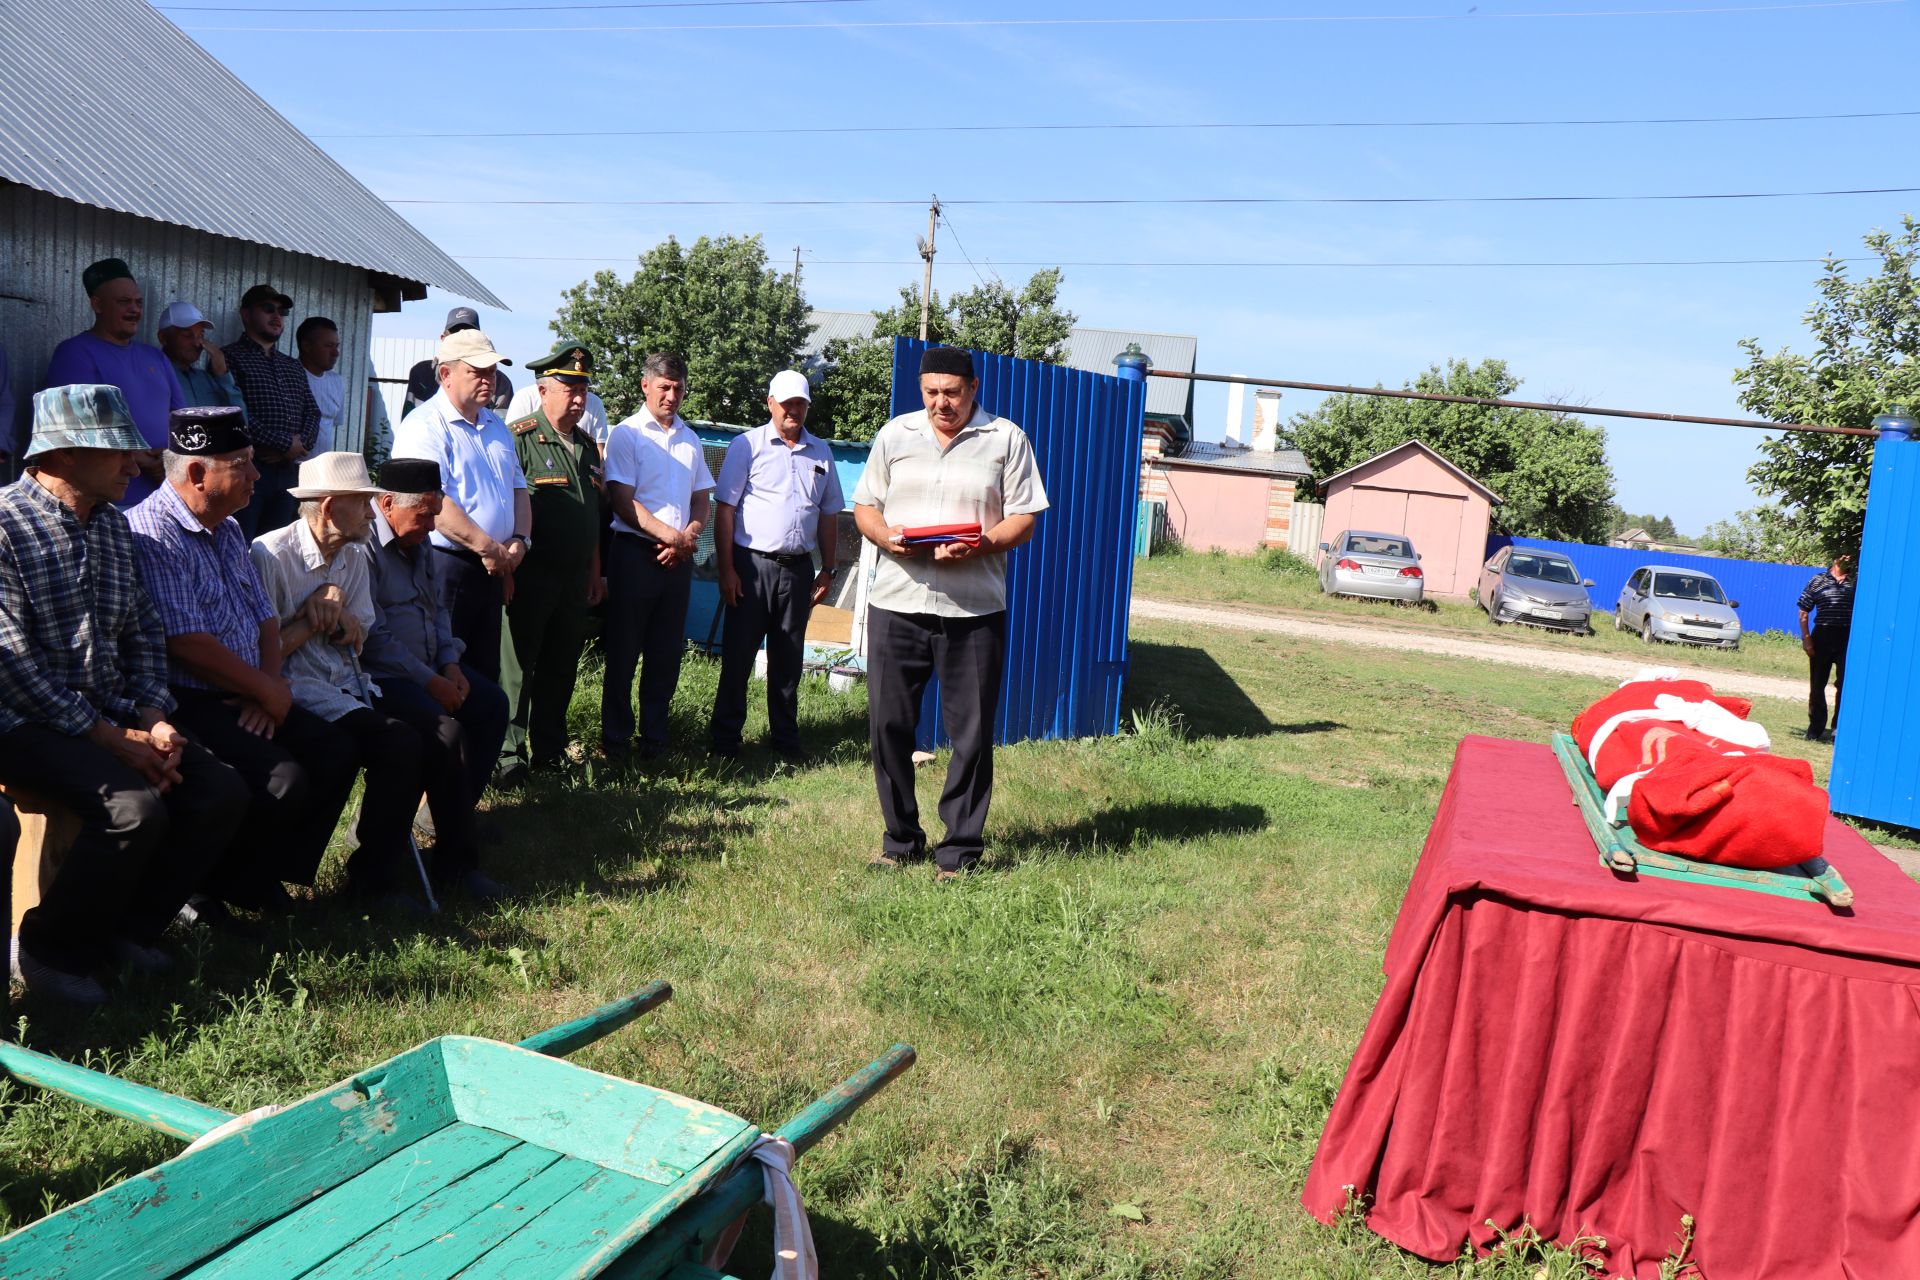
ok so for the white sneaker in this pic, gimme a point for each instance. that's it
(45, 980)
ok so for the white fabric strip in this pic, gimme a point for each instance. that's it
(794, 1257)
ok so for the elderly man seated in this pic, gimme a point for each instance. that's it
(315, 577)
(84, 705)
(224, 665)
(414, 657)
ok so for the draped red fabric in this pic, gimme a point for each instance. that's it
(1598, 1053)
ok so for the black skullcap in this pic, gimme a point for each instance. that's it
(207, 431)
(947, 360)
(410, 475)
(102, 271)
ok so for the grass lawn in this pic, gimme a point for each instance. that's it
(1278, 582)
(1130, 1026)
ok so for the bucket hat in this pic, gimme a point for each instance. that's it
(84, 415)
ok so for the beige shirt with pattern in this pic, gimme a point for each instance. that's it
(986, 474)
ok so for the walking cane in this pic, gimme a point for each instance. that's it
(419, 864)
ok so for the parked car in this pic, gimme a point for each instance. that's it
(1684, 605)
(1526, 584)
(1378, 566)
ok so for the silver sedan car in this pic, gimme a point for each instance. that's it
(1527, 584)
(1378, 566)
(1684, 605)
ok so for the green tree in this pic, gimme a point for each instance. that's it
(1661, 528)
(1764, 532)
(1550, 469)
(853, 398)
(1866, 356)
(737, 321)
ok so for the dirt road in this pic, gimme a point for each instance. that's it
(1752, 686)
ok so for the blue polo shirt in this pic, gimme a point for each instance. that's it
(779, 490)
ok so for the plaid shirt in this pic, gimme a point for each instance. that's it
(200, 579)
(280, 404)
(79, 639)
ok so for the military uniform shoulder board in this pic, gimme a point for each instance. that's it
(520, 426)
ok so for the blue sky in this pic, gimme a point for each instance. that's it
(1661, 338)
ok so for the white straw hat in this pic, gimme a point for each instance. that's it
(328, 475)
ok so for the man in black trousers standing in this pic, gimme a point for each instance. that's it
(1828, 597)
(940, 609)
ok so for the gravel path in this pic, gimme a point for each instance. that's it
(1405, 641)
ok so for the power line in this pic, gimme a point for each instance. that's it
(1196, 265)
(1181, 20)
(470, 10)
(1126, 127)
(962, 248)
(1178, 200)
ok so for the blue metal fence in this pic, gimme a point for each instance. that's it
(1768, 593)
(1069, 589)
(1877, 745)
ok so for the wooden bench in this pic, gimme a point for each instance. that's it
(47, 831)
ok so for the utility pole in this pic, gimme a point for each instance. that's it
(796, 268)
(926, 255)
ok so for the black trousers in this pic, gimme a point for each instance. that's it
(139, 853)
(775, 602)
(904, 650)
(271, 507)
(474, 602)
(646, 627)
(392, 755)
(458, 755)
(1829, 657)
(300, 779)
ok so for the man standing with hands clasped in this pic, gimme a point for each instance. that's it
(941, 612)
(775, 503)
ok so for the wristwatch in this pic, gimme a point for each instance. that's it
(525, 540)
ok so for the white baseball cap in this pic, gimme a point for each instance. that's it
(471, 346)
(789, 384)
(181, 315)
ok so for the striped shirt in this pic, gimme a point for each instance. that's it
(79, 639)
(200, 579)
(1831, 603)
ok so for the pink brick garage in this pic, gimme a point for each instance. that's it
(1411, 489)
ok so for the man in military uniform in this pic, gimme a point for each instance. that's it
(561, 578)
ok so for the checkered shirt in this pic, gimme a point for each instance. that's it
(200, 579)
(280, 404)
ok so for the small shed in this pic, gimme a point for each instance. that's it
(139, 145)
(1219, 495)
(1411, 489)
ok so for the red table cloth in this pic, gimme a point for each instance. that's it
(1599, 1053)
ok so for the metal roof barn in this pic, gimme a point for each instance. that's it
(203, 195)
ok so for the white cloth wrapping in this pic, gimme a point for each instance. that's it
(794, 1257)
(1709, 718)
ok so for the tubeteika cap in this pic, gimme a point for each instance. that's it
(472, 347)
(955, 360)
(103, 271)
(789, 384)
(410, 475)
(85, 415)
(331, 475)
(207, 431)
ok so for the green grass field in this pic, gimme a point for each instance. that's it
(1278, 582)
(1130, 1025)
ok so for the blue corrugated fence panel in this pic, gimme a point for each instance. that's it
(1769, 594)
(1878, 742)
(1069, 589)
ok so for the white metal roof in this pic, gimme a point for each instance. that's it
(80, 119)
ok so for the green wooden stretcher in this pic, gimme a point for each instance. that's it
(1621, 851)
(461, 1157)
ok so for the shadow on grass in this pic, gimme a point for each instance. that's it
(1125, 825)
(1209, 700)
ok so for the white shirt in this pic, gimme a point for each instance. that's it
(594, 421)
(479, 469)
(330, 393)
(779, 490)
(665, 467)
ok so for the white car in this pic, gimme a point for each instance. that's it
(1377, 566)
(1686, 606)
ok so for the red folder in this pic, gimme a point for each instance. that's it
(928, 534)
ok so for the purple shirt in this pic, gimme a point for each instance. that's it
(144, 378)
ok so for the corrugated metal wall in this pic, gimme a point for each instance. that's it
(1769, 594)
(46, 242)
(1877, 744)
(1069, 589)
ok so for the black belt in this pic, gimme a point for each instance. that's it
(460, 553)
(785, 559)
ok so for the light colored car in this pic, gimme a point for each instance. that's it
(1526, 584)
(1377, 566)
(1684, 605)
